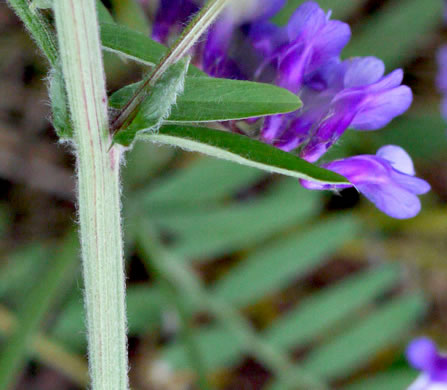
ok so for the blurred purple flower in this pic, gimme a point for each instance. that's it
(215, 57)
(169, 18)
(368, 100)
(212, 54)
(308, 41)
(423, 355)
(353, 93)
(386, 179)
(441, 80)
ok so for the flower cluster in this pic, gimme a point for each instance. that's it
(423, 355)
(304, 57)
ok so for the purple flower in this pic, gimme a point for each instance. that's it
(441, 80)
(336, 95)
(304, 57)
(308, 41)
(353, 93)
(386, 179)
(368, 101)
(423, 355)
(212, 55)
(215, 57)
(169, 18)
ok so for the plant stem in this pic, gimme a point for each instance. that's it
(98, 192)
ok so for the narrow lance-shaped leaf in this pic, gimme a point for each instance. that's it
(354, 347)
(207, 99)
(47, 287)
(242, 150)
(130, 43)
(157, 105)
(133, 44)
(393, 379)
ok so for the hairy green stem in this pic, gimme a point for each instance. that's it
(98, 192)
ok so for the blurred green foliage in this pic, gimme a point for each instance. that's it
(275, 281)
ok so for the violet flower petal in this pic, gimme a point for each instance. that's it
(363, 71)
(308, 41)
(266, 37)
(215, 58)
(441, 79)
(423, 355)
(307, 20)
(169, 14)
(381, 108)
(339, 118)
(362, 107)
(398, 158)
(392, 191)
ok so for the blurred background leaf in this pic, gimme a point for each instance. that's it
(277, 282)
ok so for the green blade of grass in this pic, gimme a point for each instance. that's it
(34, 309)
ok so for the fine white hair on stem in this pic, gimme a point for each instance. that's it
(98, 188)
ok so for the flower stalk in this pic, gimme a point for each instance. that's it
(98, 192)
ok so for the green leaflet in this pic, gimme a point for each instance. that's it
(242, 150)
(156, 107)
(325, 309)
(204, 182)
(133, 44)
(397, 379)
(341, 300)
(338, 357)
(59, 106)
(48, 286)
(19, 271)
(349, 351)
(216, 231)
(274, 265)
(213, 99)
